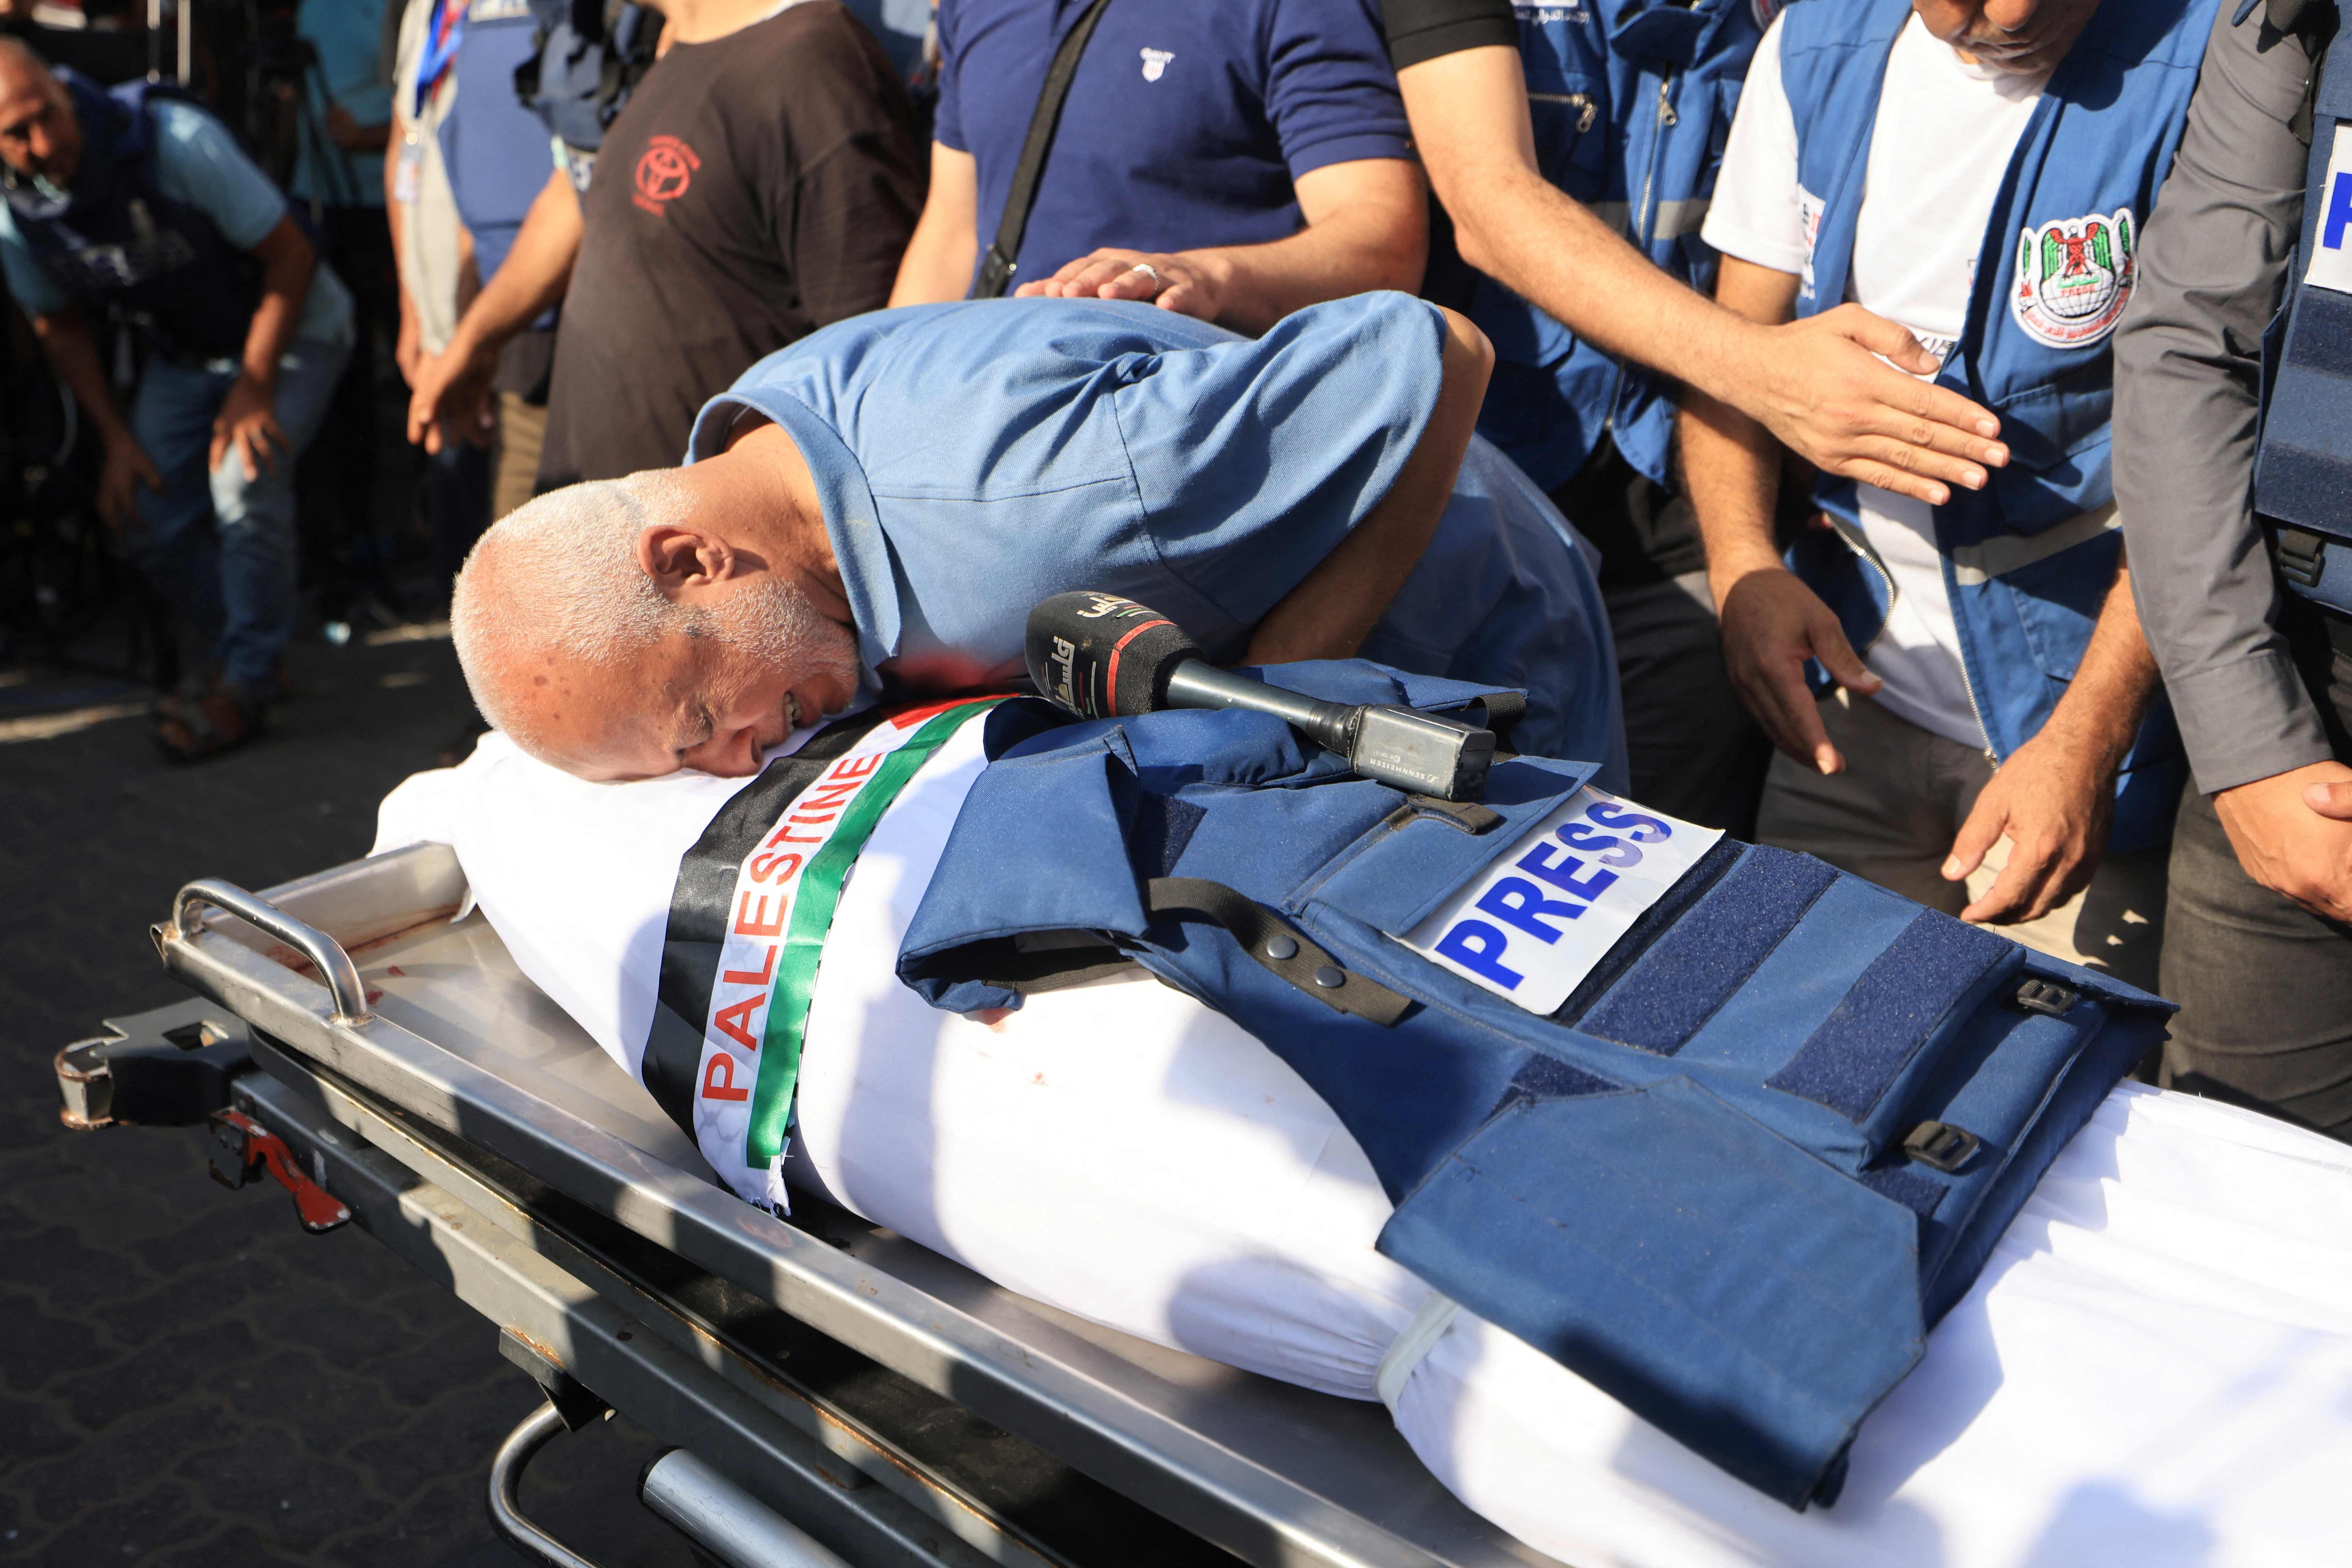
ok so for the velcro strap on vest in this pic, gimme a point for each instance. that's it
(1693, 968)
(1862, 1048)
(1280, 948)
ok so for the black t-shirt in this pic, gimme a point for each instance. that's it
(1422, 30)
(755, 188)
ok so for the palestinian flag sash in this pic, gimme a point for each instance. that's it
(754, 899)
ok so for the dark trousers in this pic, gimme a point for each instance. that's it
(1694, 751)
(343, 552)
(2264, 986)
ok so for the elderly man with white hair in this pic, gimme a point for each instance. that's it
(881, 505)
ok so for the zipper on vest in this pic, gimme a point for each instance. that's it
(1587, 111)
(1667, 120)
(1968, 680)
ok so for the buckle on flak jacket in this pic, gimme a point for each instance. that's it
(2047, 997)
(1941, 1146)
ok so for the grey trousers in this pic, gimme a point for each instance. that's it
(2265, 987)
(1891, 818)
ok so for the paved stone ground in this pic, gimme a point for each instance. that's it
(186, 1378)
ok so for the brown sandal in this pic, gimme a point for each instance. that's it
(190, 730)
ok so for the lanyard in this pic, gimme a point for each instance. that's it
(442, 37)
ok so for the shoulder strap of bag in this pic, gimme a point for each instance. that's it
(996, 267)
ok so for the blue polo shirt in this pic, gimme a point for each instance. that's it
(975, 458)
(1185, 124)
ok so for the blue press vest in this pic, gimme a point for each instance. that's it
(119, 240)
(495, 150)
(2302, 470)
(1632, 101)
(1687, 1185)
(2053, 273)
(576, 86)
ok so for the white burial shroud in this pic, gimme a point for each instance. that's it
(2155, 1369)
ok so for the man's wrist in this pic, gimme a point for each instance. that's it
(1733, 360)
(1728, 565)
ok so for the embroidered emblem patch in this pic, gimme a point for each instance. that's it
(1155, 61)
(2074, 278)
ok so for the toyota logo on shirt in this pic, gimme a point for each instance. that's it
(665, 169)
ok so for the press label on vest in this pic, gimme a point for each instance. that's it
(1551, 906)
(2331, 244)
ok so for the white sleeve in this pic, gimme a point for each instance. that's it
(1756, 215)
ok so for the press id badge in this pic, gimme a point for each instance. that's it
(1534, 923)
(404, 168)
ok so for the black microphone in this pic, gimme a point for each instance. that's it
(1099, 656)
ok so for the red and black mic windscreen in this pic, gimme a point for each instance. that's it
(1101, 656)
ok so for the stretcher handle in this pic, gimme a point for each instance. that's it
(334, 964)
(505, 1491)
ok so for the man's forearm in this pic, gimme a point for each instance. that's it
(74, 356)
(288, 263)
(1335, 607)
(1731, 463)
(532, 278)
(938, 265)
(1470, 122)
(2104, 704)
(1354, 250)
(1555, 252)
(1731, 472)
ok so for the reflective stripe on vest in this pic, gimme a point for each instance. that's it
(2029, 557)
(1631, 102)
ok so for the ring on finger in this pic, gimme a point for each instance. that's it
(1151, 272)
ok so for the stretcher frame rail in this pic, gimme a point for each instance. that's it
(1153, 1442)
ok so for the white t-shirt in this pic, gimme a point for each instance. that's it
(1945, 133)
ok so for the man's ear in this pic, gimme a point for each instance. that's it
(682, 558)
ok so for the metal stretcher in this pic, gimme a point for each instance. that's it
(837, 1392)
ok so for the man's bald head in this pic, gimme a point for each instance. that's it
(38, 134)
(607, 628)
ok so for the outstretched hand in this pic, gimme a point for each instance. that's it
(1771, 624)
(1843, 391)
(1182, 284)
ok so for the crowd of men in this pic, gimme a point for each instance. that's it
(1906, 361)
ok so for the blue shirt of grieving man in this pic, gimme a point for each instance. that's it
(887, 499)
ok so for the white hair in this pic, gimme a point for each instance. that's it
(571, 583)
(574, 584)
